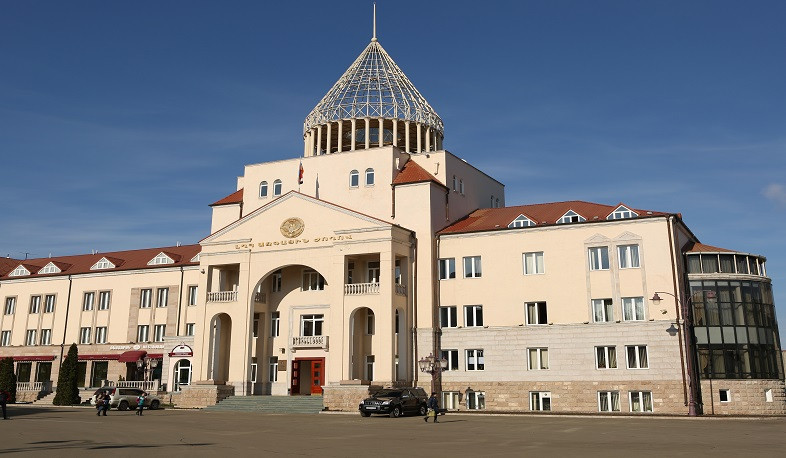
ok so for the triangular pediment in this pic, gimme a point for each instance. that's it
(294, 215)
(627, 236)
(598, 238)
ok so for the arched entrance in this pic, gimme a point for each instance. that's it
(220, 338)
(182, 374)
(362, 324)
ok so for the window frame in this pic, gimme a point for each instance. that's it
(626, 258)
(190, 329)
(49, 305)
(35, 304)
(539, 268)
(541, 395)
(642, 403)
(100, 334)
(633, 303)
(354, 179)
(451, 313)
(320, 281)
(102, 303)
(370, 177)
(447, 268)
(272, 369)
(475, 266)
(607, 353)
(276, 281)
(610, 401)
(475, 312)
(46, 336)
(536, 305)
(31, 337)
(727, 392)
(275, 324)
(159, 332)
(5, 338)
(278, 187)
(88, 306)
(84, 335)
(143, 336)
(605, 308)
(312, 318)
(538, 361)
(477, 356)
(263, 189)
(596, 259)
(637, 353)
(145, 296)
(10, 305)
(162, 293)
(451, 355)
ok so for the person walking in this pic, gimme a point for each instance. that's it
(140, 403)
(107, 399)
(5, 397)
(433, 408)
(99, 403)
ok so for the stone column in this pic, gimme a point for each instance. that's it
(439, 142)
(428, 138)
(354, 133)
(406, 136)
(368, 132)
(329, 137)
(420, 141)
(381, 130)
(305, 144)
(395, 132)
(319, 140)
(340, 136)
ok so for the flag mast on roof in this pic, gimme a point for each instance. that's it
(374, 35)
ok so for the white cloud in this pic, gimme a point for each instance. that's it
(776, 193)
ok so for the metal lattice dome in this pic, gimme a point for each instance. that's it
(374, 87)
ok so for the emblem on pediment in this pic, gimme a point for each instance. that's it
(292, 227)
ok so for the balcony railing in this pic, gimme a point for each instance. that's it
(401, 290)
(310, 342)
(222, 296)
(34, 386)
(356, 289)
(146, 385)
(260, 297)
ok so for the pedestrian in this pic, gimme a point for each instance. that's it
(5, 397)
(433, 408)
(99, 403)
(106, 404)
(140, 403)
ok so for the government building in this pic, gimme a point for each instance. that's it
(377, 258)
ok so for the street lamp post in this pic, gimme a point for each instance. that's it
(432, 365)
(690, 353)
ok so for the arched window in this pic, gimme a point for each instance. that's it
(277, 188)
(496, 202)
(369, 177)
(263, 189)
(454, 184)
(182, 373)
(354, 179)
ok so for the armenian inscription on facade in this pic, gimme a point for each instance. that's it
(293, 241)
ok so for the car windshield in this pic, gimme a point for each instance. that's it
(388, 394)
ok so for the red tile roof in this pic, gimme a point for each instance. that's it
(123, 260)
(234, 198)
(414, 173)
(696, 247)
(489, 219)
(8, 265)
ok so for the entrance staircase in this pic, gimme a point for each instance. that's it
(45, 400)
(270, 404)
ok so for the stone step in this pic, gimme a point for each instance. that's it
(271, 404)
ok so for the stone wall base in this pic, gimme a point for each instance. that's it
(344, 397)
(201, 395)
(747, 397)
(29, 396)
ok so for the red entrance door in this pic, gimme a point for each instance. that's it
(308, 376)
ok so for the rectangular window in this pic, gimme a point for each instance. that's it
(476, 400)
(372, 271)
(452, 357)
(370, 324)
(5, 338)
(103, 300)
(447, 268)
(35, 304)
(602, 310)
(533, 263)
(724, 395)
(192, 295)
(475, 360)
(10, 305)
(275, 324)
(49, 303)
(252, 374)
(87, 303)
(30, 337)
(605, 357)
(448, 316)
(84, 336)
(608, 401)
(46, 337)
(628, 256)
(450, 400)
(144, 298)
(101, 334)
(142, 333)
(275, 281)
(190, 329)
(313, 281)
(637, 356)
(540, 400)
(161, 297)
(633, 308)
(538, 358)
(369, 367)
(640, 401)
(536, 313)
(473, 315)
(272, 369)
(255, 327)
(160, 330)
(472, 267)
(311, 325)
(599, 258)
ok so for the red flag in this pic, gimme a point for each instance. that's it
(300, 174)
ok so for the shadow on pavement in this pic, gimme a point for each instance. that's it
(49, 446)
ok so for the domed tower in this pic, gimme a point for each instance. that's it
(373, 104)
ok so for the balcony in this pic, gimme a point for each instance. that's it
(34, 386)
(401, 290)
(260, 298)
(146, 385)
(222, 296)
(310, 342)
(359, 289)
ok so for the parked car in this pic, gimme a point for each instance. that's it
(396, 402)
(126, 398)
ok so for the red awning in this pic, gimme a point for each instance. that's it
(155, 355)
(97, 357)
(131, 356)
(34, 358)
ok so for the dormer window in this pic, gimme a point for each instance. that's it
(622, 212)
(571, 217)
(104, 263)
(20, 271)
(161, 258)
(50, 268)
(521, 221)
(195, 258)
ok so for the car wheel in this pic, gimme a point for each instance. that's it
(396, 412)
(123, 406)
(423, 411)
(365, 414)
(154, 405)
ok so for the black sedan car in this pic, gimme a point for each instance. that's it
(395, 402)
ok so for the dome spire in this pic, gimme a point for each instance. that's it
(374, 35)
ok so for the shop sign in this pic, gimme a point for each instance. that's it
(181, 351)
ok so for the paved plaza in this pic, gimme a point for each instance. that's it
(77, 431)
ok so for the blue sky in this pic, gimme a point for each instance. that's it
(121, 121)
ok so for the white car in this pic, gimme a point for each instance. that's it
(126, 398)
